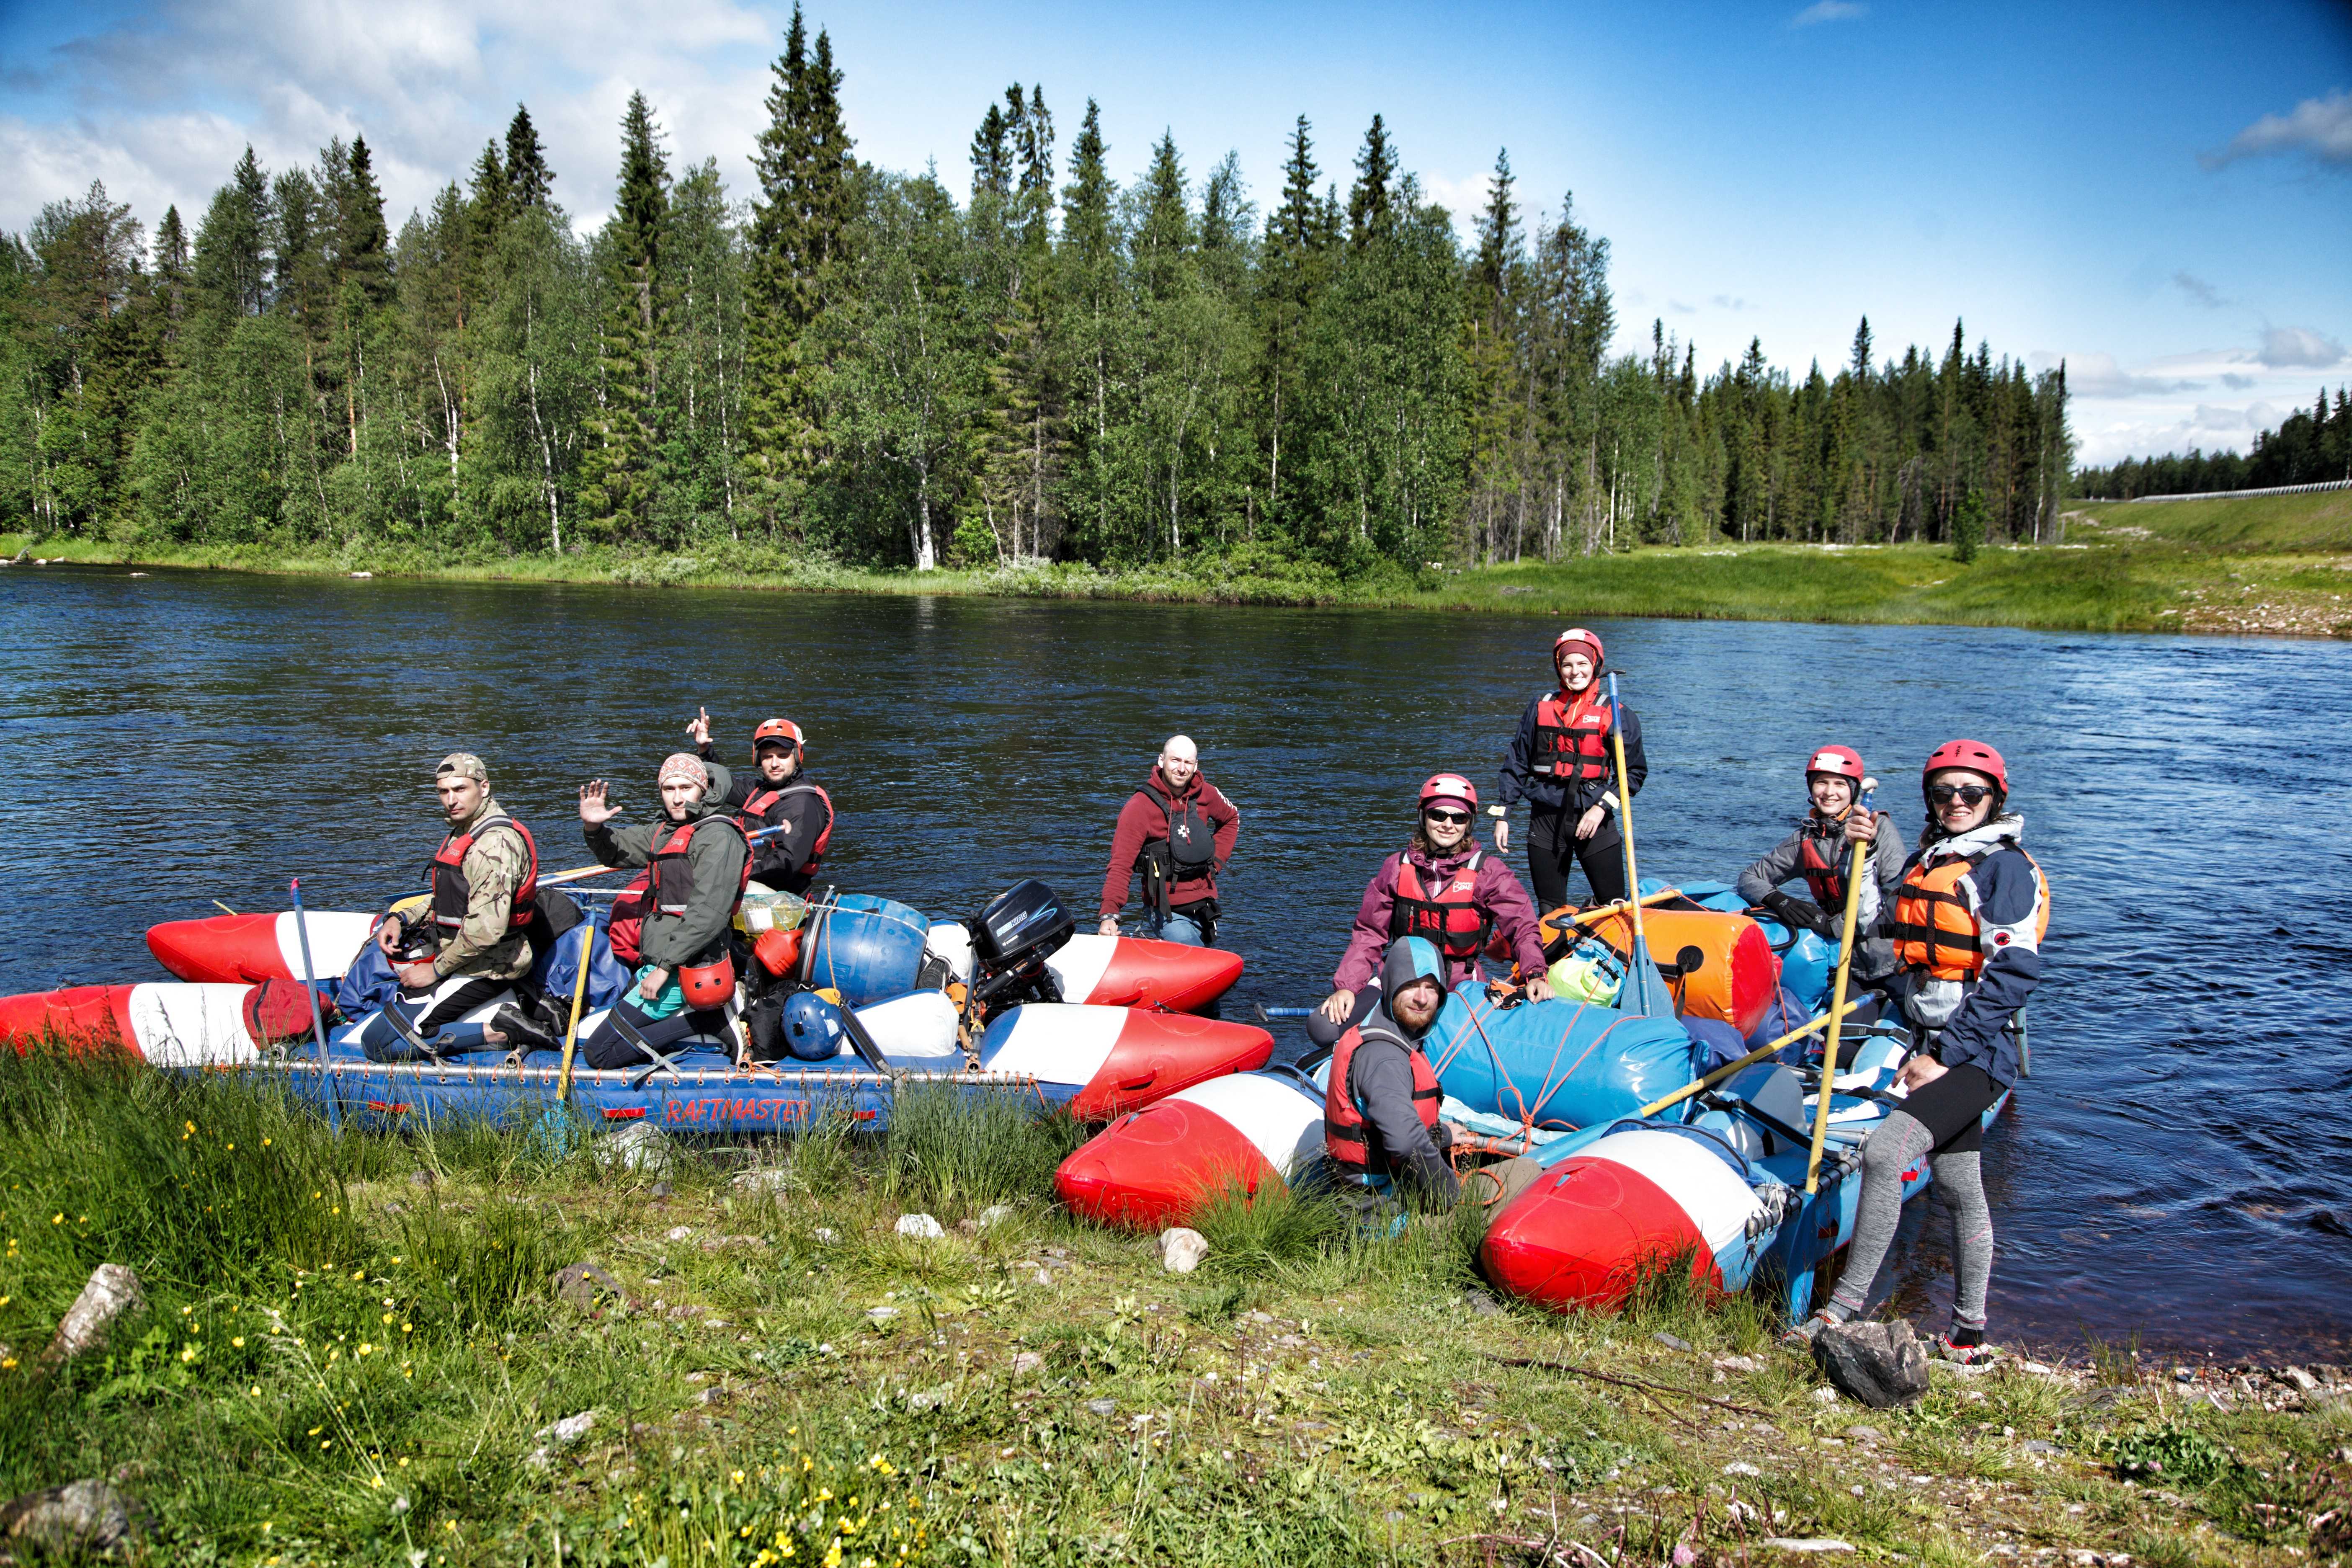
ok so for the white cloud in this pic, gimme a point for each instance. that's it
(1729, 302)
(2154, 408)
(425, 81)
(2320, 126)
(2098, 375)
(2299, 347)
(1830, 11)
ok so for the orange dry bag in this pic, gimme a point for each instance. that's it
(1737, 975)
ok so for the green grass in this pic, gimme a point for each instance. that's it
(2273, 563)
(351, 1353)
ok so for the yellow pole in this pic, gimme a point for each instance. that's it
(579, 994)
(1728, 1069)
(1837, 1000)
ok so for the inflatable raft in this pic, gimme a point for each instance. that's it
(1098, 1061)
(1119, 972)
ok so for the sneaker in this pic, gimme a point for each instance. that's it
(522, 1032)
(1949, 1348)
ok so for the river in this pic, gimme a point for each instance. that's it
(2174, 1169)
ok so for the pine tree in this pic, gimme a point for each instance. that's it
(233, 242)
(1298, 237)
(1860, 363)
(491, 199)
(362, 244)
(799, 225)
(620, 470)
(1370, 201)
(1090, 271)
(529, 181)
(991, 154)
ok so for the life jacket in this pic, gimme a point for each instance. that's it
(1346, 1137)
(446, 874)
(1451, 917)
(666, 887)
(1824, 878)
(752, 815)
(1188, 853)
(1572, 737)
(1935, 930)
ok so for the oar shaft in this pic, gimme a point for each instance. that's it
(1855, 870)
(311, 990)
(1699, 1085)
(579, 992)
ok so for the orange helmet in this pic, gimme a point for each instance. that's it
(778, 731)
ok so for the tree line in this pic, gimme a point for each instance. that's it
(850, 362)
(2311, 446)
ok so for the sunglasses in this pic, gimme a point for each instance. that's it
(1452, 817)
(1967, 794)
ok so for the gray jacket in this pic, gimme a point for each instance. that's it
(1785, 863)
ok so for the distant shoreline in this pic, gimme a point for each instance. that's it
(2276, 567)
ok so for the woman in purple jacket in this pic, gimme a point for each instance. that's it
(1444, 888)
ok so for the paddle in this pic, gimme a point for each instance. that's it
(1699, 1085)
(579, 994)
(1646, 994)
(317, 1023)
(1837, 997)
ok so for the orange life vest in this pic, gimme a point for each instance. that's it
(1449, 916)
(446, 873)
(1573, 738)
(1346, 1137)
(664, 887)
(1934, 928)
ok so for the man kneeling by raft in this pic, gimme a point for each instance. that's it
(1380, 1108)
(674, 923)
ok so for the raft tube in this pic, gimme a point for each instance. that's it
(1726, 1190)
(172, 1023)
(1114, 971)
(245, 950)
(1252, 1131)
(1118, 1058)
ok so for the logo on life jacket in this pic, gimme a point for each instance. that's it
(1346, 1137)
(1188, 853)
(451, 892)
(1936, 927)
(1451, 917)
(1573, 738)
(664, 887)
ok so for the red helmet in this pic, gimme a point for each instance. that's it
(1974, 755)
(1577, 636)
(1449, 786)
(782, 731)
(1842, 761)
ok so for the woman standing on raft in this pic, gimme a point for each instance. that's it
(1442, 887)
(1559, 760)
(1969, 919)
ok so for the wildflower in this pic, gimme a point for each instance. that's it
(736, 1476)
(8, 1364)
(366, 1348)
(403, 1461)
(187, 1353)
(238, 1342)
(264, 1142)
(257, 1392)
(387, 1318)
(232, 1148)
(190, 1133)
(59, 1218)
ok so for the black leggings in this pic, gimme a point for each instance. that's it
(383, 1042)
(608, 1046)
(1552, 845)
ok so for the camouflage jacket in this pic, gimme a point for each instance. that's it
(484, 947)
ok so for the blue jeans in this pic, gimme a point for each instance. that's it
(1178, 927)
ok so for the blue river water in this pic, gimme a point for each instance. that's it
(2177, 1166)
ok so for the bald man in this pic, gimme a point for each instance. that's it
(1179, 830)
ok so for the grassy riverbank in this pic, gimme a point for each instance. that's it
(351, 1353)
(2269, 565)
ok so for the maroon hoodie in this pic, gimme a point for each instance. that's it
(1143, 820)
(1496, 891)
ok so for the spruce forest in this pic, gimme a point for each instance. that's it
(836, 362)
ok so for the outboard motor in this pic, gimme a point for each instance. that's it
(1011, 938)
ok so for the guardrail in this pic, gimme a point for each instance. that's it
(2210, 495)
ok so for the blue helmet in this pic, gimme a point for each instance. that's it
(813, 1030)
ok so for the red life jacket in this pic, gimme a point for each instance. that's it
(1451, 917)
(1346, 1137)
(1573, 738)
(664, 887)
(752, 815)
(446, 874)
(1824, 879)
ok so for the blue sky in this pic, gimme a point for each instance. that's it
(2161, 194)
